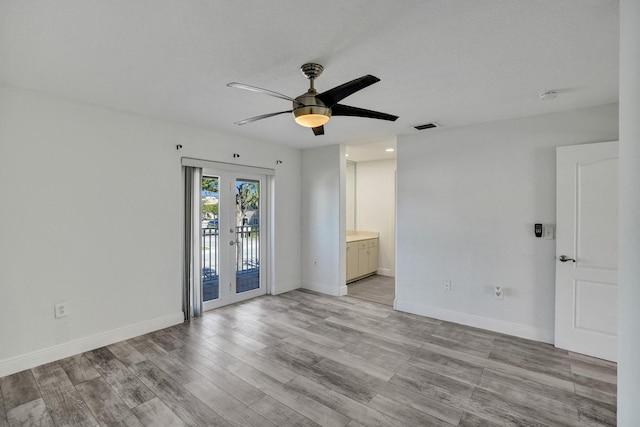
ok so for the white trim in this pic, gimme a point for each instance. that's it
(494, 325)
(232, 167)
(344, 290)
(321, 288)
(270, 238)
(61, 351)
(280, 287)
(384, 272)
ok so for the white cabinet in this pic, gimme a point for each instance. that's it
(352, 261)
(362, 258)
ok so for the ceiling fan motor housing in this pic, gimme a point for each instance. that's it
(309, 111)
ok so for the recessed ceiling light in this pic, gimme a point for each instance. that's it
(346, 155)
(389, 150)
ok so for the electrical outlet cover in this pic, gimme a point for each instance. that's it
(60, 310)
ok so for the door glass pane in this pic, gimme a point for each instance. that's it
(247, 235)
(210, 243)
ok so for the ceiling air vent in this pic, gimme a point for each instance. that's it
(428, 126)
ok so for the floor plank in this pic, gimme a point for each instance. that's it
(124, 383)
(268, 367)
(105, 404)
(470, 420)
(179, 400)
(18, 389)
(306, 406)
(407, 415)
(281, 415)
(32, 413)
(376, 288)
(345, 358)
(171, 365)
(155, 413)
(79, 369)
(218, 375)
(3, 412)
(342, 404)
(61, 397)
(228, 407)
(306, 359)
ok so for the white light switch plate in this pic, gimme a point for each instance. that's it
(548, 231)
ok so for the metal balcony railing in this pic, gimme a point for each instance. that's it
(247, 245)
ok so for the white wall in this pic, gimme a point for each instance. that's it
(467, 201)
(323, 220)
(350, 195)
(375, 207)
(91, 215)
(629, 289)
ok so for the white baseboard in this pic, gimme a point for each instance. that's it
(323, 288)
(487, 323)
(61, 351)
(385, 272)
(282, 288)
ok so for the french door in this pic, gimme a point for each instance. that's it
(232, 236)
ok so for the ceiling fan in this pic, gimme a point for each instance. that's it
(313, 110)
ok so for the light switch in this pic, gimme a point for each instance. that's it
(548, 231)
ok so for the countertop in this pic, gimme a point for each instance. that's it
(355, 236)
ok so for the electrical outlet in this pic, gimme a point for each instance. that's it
(315, 263)
(446, 284)
(60, 309)
(498, 292)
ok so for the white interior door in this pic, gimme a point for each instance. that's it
(587, 249)
(233, 237)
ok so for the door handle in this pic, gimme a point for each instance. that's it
(564, 258)
(232, 242)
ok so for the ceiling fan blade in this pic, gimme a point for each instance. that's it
(345, 110)
(319, 130)
(264, 116)
(338, 93)
(261, 90)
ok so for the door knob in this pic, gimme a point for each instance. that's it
(564, 258)
(232, 242)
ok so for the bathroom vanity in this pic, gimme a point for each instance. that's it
(362, 254)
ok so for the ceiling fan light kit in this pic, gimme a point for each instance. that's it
(309, 111)
(313, 110)
(312, 116)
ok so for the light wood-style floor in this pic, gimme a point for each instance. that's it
(376, 288)
(302, 359)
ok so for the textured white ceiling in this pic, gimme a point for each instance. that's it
(454, 62)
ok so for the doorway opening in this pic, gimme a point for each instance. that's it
(370, 220)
